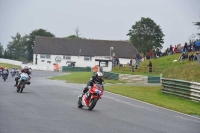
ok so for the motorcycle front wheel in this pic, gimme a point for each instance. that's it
(92, 103)
(79, 104)
(21, 88)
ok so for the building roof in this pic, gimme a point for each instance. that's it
(83, 47)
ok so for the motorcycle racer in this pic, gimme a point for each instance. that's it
(25, 70)
(94, 79)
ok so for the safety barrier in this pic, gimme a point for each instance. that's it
(110, 75)
(186, 89)
(143, 69)
(75, 69)
(132, 78)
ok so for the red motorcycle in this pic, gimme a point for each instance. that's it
(90, 98)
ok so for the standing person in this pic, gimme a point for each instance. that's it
(117, 61)
(197, 45)
(185, 48)
(171, 49)
(131, 62)
(175, 49)
(137, 60)
(150, 54)
(150, 66)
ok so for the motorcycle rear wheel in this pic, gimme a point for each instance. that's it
(21, 88)
(92, 103)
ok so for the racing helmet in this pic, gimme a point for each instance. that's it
(99, 75)
(26, 69)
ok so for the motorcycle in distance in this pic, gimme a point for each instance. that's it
(90, 98)
(30, 70)
(4, 75)
(17, 72)
(1, 72)
(12, 72)
(23, 80)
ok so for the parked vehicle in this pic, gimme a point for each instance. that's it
(23, 80)
(90, 98)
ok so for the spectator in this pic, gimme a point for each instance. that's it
(190, 48)
(180, 48)
(150, 54)
(195, 56)
(157, 52)
(182, 57)
(194, 47)
(117, 61)
(191, 57)
(131, 62)
(150, 66)
(197, 45)
(185, 48)
(170, 50)
(138, 57)
(175, 49)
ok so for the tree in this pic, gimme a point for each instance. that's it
(197, 24)
(1, 51)
(72, 36)
(145, 34)
(31, 40)
(17, 47)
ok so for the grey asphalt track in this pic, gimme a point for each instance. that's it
(50, 106)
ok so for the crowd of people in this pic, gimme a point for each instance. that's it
(155, 52)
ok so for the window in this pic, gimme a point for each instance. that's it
(66, 57)
(87, 58)
(104, 64)
(47, 56)
(42, 56)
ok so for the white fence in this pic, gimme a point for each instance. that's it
(34, 67)
(8, 61)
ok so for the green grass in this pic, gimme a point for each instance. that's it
(9, 66)
(81, 77)
(187, 70)
(154, 96)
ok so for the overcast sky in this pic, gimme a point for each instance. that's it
(98, 19)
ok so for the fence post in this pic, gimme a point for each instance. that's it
(160, 78)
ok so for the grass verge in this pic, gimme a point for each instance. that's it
(154, 96)
(9, 66)
(81, 78)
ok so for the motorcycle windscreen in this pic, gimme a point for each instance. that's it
(24, 76)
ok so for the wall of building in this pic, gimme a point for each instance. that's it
(80, 62)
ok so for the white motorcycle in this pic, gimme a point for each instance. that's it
(23, 80)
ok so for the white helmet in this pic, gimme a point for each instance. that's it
(99, 75)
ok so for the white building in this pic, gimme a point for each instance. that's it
(80, 52)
